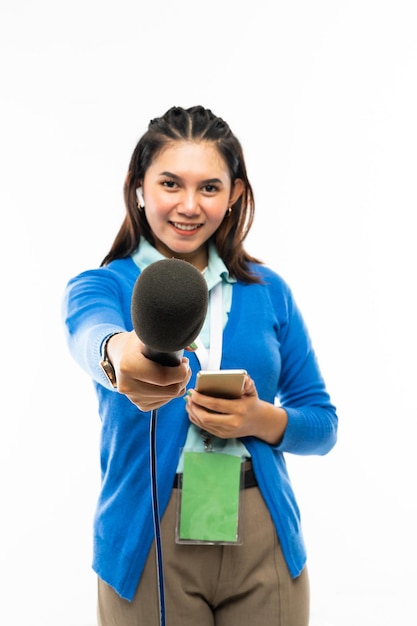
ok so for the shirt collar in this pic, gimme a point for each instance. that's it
(215, 272)
(145, 254)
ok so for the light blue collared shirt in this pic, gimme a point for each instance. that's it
(215, 272)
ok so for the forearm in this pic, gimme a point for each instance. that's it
(270, 423)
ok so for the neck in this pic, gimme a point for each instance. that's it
(198, 258)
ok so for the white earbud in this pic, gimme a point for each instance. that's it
(139, 195)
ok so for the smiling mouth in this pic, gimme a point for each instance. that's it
(186, 227)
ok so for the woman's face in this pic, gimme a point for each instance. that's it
(187, 191)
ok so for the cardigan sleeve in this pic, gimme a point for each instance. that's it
(93, 309)
(312, 419)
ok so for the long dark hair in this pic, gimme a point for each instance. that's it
(178, 124)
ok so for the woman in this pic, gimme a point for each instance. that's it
(188, 197)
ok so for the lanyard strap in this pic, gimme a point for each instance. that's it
(210, 358)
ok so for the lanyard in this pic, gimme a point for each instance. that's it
(210, 358)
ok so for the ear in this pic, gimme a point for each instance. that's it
(237, 190)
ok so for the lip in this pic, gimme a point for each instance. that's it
(187, 230)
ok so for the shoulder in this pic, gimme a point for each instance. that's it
(273, 290)
(125, 268)
(270, 278)
(114, 279)
(118, 270)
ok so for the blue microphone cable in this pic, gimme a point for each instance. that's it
(156, 520)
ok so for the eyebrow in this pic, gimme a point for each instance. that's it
(208, 181)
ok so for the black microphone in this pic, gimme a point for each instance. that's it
(168, 308)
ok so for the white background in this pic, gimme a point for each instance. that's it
(323, 97)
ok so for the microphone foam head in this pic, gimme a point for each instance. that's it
(169, 305)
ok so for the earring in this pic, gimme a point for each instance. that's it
(139, 196)
(229, 211)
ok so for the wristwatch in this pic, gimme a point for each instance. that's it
(106, 364)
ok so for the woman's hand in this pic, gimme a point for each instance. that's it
(243, 417)
(146, 383)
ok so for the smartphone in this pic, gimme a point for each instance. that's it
(221, 383)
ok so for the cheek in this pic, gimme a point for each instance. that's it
(157, 207)
(216, 214)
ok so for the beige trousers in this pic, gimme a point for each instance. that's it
(245, 585)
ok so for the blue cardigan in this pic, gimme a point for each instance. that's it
(265, 335)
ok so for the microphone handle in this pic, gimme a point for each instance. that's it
(163, 358)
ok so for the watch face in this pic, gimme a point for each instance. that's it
(105, 364)
(108, 369)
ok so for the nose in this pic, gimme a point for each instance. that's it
(189, 204)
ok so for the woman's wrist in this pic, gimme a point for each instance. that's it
(106, 363)
(272, 423)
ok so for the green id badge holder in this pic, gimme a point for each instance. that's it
(209, 499)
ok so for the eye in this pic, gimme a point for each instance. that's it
(170, 184)
(210, 188)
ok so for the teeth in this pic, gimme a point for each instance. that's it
(186, 226)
